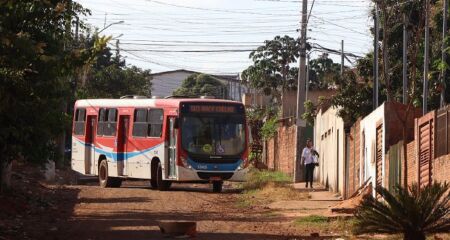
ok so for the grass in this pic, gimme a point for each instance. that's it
(321, 224)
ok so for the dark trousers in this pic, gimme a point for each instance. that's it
(309, 169)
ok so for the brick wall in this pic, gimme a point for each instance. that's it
(412, 163)
(386, 170)
(270, 154)
(280, 152)
(441, 169)
(353, 140)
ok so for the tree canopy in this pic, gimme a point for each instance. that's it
(198, 85)
(35, 60)
(271, 71)
(110, 77)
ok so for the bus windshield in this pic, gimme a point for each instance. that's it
(219, 135)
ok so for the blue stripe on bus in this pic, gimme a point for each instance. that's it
(214, 166)
(115, 155)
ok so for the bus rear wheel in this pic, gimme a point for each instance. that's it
(217, 186)
(161, 184)
(104, 179)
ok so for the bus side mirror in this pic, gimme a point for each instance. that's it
(176, 123)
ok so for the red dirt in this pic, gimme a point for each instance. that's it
(35, 210)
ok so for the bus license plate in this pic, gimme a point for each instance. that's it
(215, 178)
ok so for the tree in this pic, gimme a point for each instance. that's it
(271, 71)
(198, 85)
(414, 212)
(354, 92)
(323, 73)
(35, 62)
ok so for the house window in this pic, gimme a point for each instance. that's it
(140, 125)
(80, 119)
(155, 122)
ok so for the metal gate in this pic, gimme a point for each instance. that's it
(395, 165)
(379, 155)
(425, 146)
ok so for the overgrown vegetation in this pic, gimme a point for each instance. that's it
(264, 186)
(415, 212)
(269, 128)
(258, 179)
(37, 56)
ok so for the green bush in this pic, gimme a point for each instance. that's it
(257, 179)
(414, 212)
(269, 129)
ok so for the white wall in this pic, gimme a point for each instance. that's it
(329, 136)
(368, 144)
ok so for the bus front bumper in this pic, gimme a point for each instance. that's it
(190, 174)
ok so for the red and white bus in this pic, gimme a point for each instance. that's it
(163, 140)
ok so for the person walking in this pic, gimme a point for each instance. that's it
(309, 162)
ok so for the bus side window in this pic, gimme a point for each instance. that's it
(140, 126)
(111, 125)
(101, 121)
(155, 122)
(80, 119)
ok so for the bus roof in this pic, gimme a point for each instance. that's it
(175, 103)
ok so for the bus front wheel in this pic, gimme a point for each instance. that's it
(160, 183)
(104, 179)
(217, 186)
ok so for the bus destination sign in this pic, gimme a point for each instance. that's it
(212, 109)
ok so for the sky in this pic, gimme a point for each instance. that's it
(216, 36)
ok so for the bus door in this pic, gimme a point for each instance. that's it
(173, 133)
(89, 153)
(122, 143)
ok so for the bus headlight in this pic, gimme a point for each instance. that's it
(185, 162)
(242, 165)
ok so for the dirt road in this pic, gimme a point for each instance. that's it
(133, 212)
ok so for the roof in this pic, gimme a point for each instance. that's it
(220, 77)
(174, 71)
(148, 102)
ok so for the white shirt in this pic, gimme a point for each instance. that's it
(307, 155)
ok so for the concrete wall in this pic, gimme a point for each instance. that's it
(329, 136)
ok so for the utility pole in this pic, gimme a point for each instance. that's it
(405, 58)
(307, 78)
(301, 93)
(240, 88)
(444, 54)
(426, 58)
(375, 58)
(342, 58)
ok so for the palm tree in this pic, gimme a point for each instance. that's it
(414, 212)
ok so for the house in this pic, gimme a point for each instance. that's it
(164, 83)
(378, 132)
